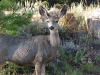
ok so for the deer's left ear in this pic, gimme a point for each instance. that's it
(63, 11)
(43, 12)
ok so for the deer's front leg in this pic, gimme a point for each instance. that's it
(38, 67)
(43, 69)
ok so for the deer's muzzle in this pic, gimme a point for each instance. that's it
(51, 27)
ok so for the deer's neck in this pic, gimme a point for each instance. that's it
(54, 38)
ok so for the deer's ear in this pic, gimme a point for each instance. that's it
(63, 11)
(43, 12)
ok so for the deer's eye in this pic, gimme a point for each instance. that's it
(56, 21)
(47, 21)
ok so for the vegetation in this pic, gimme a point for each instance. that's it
(75, 63)
(10, 23)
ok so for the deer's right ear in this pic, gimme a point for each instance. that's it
(43, 12)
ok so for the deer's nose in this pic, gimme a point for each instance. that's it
(51, 28)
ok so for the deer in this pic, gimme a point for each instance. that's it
(33, 50)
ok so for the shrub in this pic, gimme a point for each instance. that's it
(34, 29)
(11, 23)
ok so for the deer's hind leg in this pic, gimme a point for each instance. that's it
(2, 61)
(1, 65)
(3, 56)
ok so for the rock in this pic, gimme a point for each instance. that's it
(94, 27)
(93, 23)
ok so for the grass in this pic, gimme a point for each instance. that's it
(89, 67)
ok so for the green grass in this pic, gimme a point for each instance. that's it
(76, 72)
(89, 67)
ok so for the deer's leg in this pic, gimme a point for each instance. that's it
(38, 68)
(43, 69)
(1, 65)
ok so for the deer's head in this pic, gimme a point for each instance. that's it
(52, 20)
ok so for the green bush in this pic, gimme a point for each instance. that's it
(2, 14)
(8, 5)
(11, 23)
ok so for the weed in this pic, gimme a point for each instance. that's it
(79, 56)
(89, 67)
(76, 72)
